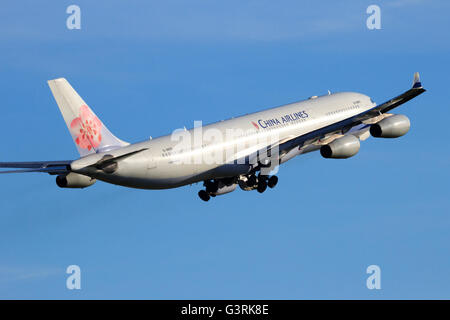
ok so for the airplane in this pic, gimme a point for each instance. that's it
(333, 123)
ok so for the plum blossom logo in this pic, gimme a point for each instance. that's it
(87, 129)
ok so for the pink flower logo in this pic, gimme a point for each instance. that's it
(87, 129)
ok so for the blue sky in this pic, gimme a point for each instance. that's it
(149, 67)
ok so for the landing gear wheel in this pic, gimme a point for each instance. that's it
(204, 195)
(251, 180)
(262, 186)
(211, 186)
(262, 177)
(273, 180)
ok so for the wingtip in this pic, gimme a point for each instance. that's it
(56, 80)
(416, 81)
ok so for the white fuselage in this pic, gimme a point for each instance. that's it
(167, 164)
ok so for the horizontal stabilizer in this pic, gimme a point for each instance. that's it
(100, 161)
(51, 167)
(44, 170)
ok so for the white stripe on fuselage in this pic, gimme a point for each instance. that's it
(158, 168)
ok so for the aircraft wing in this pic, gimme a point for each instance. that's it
(94, 161)
(359, 119)
(50, 167)
(416, 90)
(356, 124)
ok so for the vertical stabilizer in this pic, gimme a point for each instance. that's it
(88, 132)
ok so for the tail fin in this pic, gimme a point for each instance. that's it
(88, 132)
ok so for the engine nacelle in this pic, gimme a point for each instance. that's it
(74, 180)
(392, 127)
(341, 148)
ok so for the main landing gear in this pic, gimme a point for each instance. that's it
(265, 181)
(260, 182)
(273, 180)
(204, 195)
(211, 186)
(246, 182)
(217, 187)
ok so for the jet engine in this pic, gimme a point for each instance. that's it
(341, 148)
(74, 180)
(391, 127)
